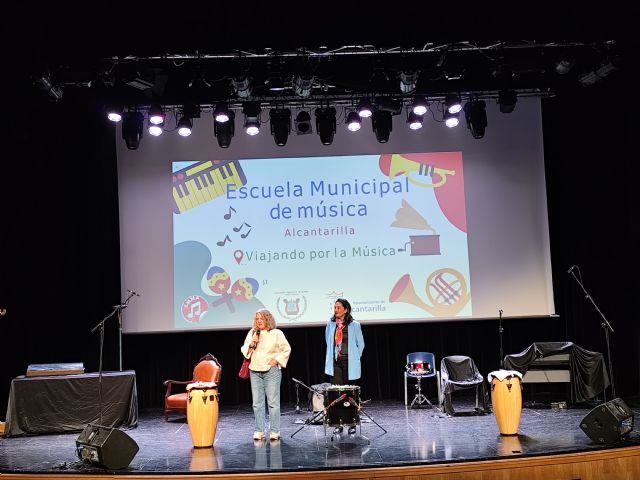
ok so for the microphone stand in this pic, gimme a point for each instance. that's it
(605, 325)
(297, 409)
(100, 325)
(500, 330)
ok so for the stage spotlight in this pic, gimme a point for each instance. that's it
(354, 122)
(280, 125)
(251, 112)
(275, 82)
(451, 119)
(44, 83)
(303, 123)
(156, 114)
(408, 81)
(114, 113)
(452, 103)
(415, 121)
(185, 125)
(132, 124)
(303, 84)
(507, 100)
(419, 105)
(364, 108)
(476, 116)
(224, 131)
(388, 104)
(382, 125)
(221, 112)
(326, 124)
(242, 86)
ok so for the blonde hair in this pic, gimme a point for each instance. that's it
(267, 316)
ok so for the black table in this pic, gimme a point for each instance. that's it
(66, 403)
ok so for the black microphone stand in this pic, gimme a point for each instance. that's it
(100, 325)
(605, 325)
(500, 330)
(297, 409)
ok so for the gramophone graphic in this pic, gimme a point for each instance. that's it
(446, 291)
(408, 217)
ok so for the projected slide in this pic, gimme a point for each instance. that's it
(388, 232)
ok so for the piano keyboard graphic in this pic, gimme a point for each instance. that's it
(200, 183)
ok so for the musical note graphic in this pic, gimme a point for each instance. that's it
(237, 229)
(222, 242)
(245, 235)
(227, 216)
(194, 310)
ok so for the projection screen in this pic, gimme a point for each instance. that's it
(433, 225)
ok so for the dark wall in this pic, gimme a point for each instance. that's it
(60, 258)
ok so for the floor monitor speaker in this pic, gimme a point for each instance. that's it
(106, 447)
(608, 422)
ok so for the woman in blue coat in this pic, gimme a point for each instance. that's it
(345, 344)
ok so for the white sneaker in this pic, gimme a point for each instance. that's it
(274, 436)
(258, 436)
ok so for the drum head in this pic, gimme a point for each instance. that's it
(342, 403)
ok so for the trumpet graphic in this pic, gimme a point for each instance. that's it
(401, 165)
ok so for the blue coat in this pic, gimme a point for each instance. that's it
(355, 348)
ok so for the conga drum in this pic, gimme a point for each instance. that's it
(506, 398)
(202, 413)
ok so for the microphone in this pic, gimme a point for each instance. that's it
(133, 293)
(571, 268)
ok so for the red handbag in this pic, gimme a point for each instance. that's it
(244, 369)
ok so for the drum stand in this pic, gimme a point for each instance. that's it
(360, 409)
(313, 418)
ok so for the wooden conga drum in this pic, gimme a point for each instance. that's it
(202, 413)
(506, 398)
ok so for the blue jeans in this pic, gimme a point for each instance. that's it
(266, 384)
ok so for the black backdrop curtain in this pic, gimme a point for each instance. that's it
(59, 270)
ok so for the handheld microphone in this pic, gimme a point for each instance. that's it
(133, 293)
(571, 268)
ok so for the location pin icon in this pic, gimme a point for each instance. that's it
(238, 255)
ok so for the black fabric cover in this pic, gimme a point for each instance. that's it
(67, 403)
(458, 372)
(588, 371)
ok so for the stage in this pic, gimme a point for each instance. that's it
(418, 442)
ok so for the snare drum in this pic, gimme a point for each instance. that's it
(419, 367)
(342, 403)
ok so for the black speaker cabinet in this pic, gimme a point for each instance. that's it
(608, 422)
(106, 447)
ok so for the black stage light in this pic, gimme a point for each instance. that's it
(303, 123)
(251, 112)
(476, 116)
(408, 81)
(241, 86)
(132, 124)
(280, 125)
(382, 125)
(224, 131)
(326, 124)
(507, 100)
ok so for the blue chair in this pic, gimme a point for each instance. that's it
(420, 365)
